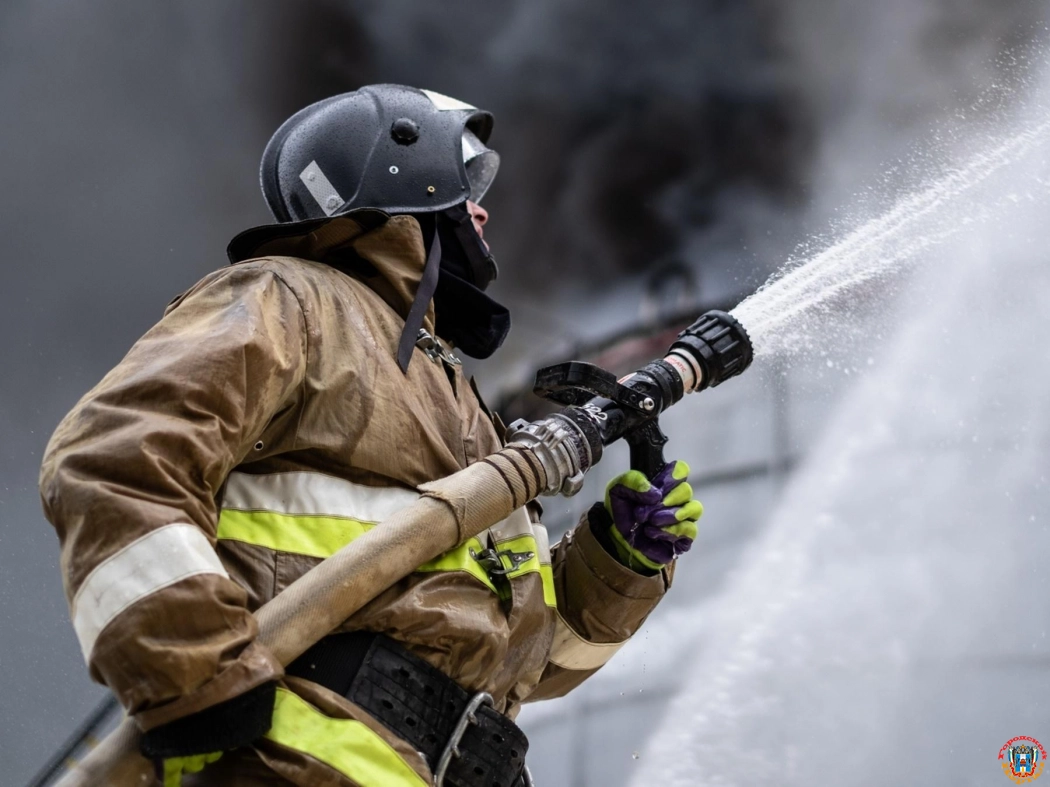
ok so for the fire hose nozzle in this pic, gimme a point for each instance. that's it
(716, 347)
(603, 409)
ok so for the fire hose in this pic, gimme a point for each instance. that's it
(545, 457)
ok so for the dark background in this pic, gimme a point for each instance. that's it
(634, 136)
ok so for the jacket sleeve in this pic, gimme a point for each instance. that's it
(130, 479)
(601, 604)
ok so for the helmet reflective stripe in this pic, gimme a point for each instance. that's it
(442, 102)
(321, 189)
(481, 164)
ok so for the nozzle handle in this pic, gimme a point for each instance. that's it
(647, 448)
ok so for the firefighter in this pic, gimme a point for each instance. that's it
(281, 408)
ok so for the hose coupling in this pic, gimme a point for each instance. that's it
(562, 448)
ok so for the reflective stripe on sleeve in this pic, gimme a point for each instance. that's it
(346, 745)
(151, 563)
(571, 651)
(517, 524)
(543, 543)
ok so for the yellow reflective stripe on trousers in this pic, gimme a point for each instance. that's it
(347, 745)
(461, 559)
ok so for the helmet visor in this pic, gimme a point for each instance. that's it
(481, 164)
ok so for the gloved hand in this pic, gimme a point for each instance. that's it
(187, 744)
(652, 523)
(171, 769)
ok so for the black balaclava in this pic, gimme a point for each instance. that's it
(465, 315)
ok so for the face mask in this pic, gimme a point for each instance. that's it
(466, 316)
(469, 318)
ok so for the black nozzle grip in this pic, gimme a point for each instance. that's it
(719, 344)
(647, 448)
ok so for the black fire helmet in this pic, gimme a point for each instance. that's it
(400, 150)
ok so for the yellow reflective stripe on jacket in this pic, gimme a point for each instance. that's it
(323, 536)
(314, 514)
(524, 544)
(316, 536)
(461, 559)
(347, 745)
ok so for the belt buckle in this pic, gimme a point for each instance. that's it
(467, 718)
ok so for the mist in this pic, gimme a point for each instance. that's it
(877, 609)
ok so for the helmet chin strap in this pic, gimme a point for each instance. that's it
(418, 312)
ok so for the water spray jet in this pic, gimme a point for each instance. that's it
(601, 409)
(776, 314)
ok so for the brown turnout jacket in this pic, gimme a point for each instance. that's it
(259, 426)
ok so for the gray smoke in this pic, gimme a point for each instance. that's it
(623, 130)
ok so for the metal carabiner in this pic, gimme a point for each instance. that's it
(492, 560)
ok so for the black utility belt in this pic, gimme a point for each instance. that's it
(465, 741)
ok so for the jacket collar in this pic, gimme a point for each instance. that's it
(385, 252)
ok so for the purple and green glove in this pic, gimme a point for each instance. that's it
(652, 522)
